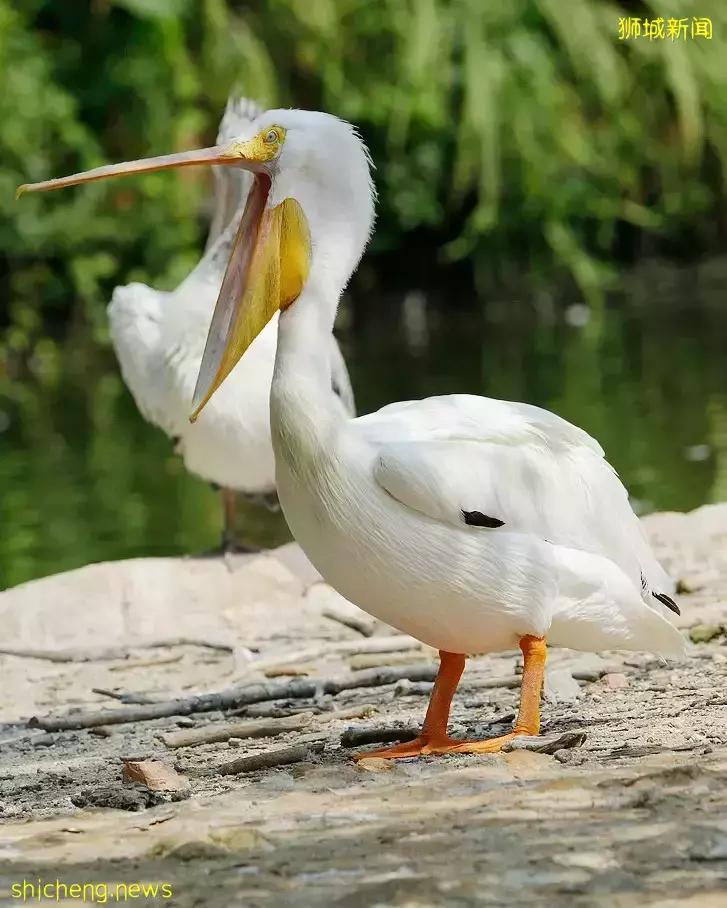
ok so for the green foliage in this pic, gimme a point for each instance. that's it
(518, 134)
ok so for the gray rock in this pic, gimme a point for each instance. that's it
(560, 686)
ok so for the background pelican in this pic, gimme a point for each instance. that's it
(473, 524)
(159, 337)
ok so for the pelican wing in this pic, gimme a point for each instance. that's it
(136, 319)
(498, 466)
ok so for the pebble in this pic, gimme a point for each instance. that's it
(186, 722)
(375, 764)
(561, 686)
(155, 775)
(616, 681)
(571, 757)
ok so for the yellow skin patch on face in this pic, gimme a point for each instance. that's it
(265, 147)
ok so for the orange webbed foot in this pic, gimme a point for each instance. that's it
(419, 746)
(490, 746)
(422, 746)
(433, 737)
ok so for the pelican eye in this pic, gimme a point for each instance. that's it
(272, 138)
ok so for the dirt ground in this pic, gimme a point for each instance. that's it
(633, 815)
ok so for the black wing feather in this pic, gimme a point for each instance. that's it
(667, 601)
(478, 519)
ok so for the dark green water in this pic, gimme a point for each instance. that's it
(83, 478)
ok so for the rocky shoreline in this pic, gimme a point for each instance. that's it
(627, 806)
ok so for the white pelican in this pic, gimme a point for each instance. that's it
(475, 525)
(158, 338)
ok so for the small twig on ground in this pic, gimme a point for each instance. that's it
(393, 644)
(135, 699)
(626, 750)
(290, 671)
(354, 622)
(355, 737)
(259, 729)
(129, 664)
(406, 688)
(234, 697)
(284, 757)
(269, 711)
(111, 653)
(511, 681)
(263, 728)
(373, 660)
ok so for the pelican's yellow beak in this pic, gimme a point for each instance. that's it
(270, 258)
(267, 271)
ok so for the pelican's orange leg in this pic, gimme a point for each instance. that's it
(434, 731)
(433, 737)
(528, 717)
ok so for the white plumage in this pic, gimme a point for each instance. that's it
(377, 503)
(571, 558)
(159, 338)
(381, 512)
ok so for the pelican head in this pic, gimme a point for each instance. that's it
(308, 218)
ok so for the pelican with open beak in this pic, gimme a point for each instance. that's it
(473, 524)
(159, 337)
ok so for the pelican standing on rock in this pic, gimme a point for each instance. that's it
(158, 338)
(475, 525)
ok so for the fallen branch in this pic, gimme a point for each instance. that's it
(363, 661)
(267, 711)
(111, 653)
(394, 644)
(261, 729)
(135, 699)
(289, 671)
(406, 688)
(235, 697)
(355, 737)
(354, 622)
(511, 681)
(546, 744)
(265, 728)
(285, 757)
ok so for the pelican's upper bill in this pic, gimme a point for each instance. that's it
(306, 166)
